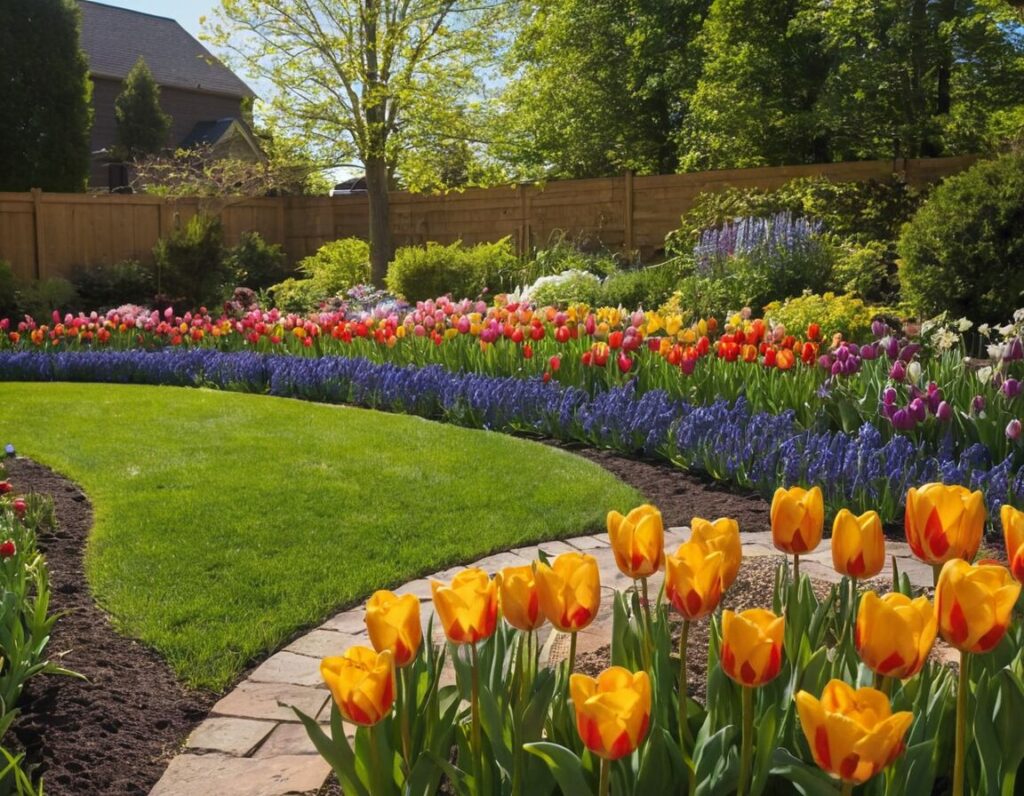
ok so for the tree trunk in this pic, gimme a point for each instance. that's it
(381, 246)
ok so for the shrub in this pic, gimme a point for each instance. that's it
(867, 270)
(191, 263)
(296, 295)
(563, 255)
(707, 297)
(101, 287)
(338, 266)
(421, 272)
(645, 287)
(572, 287)
(846, 314)
(964, 250)
(255, 263)
(40, 299)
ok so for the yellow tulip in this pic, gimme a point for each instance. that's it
(723, 536)
(393, 623)
(613, 710)
(853, 734)
(752, 645)
(672, 324)
(894, 633)
(468, 608)
(944, 522)
(520, 603)
(797, 517)
(858, 546)
(362, 683)
(638, 541)
(1013, 532)
(974, 604)
(693, 579)
(569, 590)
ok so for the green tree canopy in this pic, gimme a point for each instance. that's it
(142, 126)
(45, 102)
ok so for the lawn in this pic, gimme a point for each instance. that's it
(225, 522)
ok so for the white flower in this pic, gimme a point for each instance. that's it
(985, 374)
(984, 330)
(1018, 315)
(945, 339)
(914, 371)
(1007, 330)
(963, 325)
(995, 350)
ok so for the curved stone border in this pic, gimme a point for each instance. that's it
(251, 744)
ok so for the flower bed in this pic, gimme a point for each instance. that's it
(731, 442)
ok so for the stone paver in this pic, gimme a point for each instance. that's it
(253, 745)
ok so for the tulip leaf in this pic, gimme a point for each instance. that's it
(336, 751)
(460, 779)
(808, 780)
(565, 766)
(766, 741)
(717, 762)
(492, 720)
(661, 767)
(531, 725)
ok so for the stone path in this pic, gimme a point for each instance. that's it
(252, 744)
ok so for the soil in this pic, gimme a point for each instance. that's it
(114, 732)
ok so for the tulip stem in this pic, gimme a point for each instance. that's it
(796, 568)
(606, 778)
(747, 742)
(936, 571)
(685, 736)
(847, 789)
(961, 724)
(478, 756)
(572, 652)
(405, 706)
(648, 624)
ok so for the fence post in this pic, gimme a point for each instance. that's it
(37, 227)
(628, 226)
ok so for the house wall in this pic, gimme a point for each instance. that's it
(185, 108)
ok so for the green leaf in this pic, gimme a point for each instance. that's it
(808, 780)
(336, 751)
(565, 766)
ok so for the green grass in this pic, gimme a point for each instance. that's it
(224, 523)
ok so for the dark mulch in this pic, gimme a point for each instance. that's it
(115, 732)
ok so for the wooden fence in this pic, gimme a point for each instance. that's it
(45, 235)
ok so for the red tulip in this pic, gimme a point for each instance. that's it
(527, 351)
(625, 363)
(7, 549)
(20, 507)
(562, 334)
(5, 487)
(555, 363)
(615, 340)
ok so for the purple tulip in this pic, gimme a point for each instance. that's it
(868, 351)
(918, 409)
(902, 420)
(1011, 388)
(854, 349)
(889, 396)
(851, 366)
(1015, 350)
(908, 351)
(898, 372)
(879, 328)
(892, 347)
(837, 369)
(978, 404)
(1013, 429)
(825, 362)
(944, 412)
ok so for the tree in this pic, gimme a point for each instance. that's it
(596, 86)
(142, 126)
(349, 76)
(45, 101)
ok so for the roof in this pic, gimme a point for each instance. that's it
(212, 133)
(114, 38)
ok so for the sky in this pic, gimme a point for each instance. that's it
(187, 12)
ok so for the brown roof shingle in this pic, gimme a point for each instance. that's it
(114, 38)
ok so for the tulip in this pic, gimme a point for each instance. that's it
(20, 507)
(1013, 532)
(638, 541)
(5, 487)
(520, 602)
(570, 594)
(797, 517)
(894, 633)
(944, 522)
(393, 623)
(853, 734)
(1013, 429)
(7, 549)
(973, 604)
(722, 535)
(613, 712)
(468, 608)
(362, 683)
(858, 547)
(694, 580)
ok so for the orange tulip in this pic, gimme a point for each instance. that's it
(569, 590)
(393, 623)
(613, 710)
(894, 634)
(468, 608)
(853, 734)
(944, 522)
(722, 535)
(797, 517)
(693, 580)
(520, 603)
(638, 541)
(752, 645)
(974, 604)
(858, 547)
(1013, 532)
(362, 683)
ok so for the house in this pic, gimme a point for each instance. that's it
(208, 104)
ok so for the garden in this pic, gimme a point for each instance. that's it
(747, 519)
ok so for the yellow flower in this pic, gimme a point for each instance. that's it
(468, 608)
(944, 522)
(858, 547)
(752, 645)
(853, 735)
(1013, 533)
(672, 324)
(569, 590)
(520, 602)
(894, 633)
(638, 541)
(613, 710)
(974, 604)
(693, 579)
(722, 535)
(362, 683)
(797, 518)
(393, 623)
